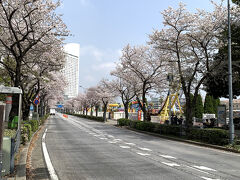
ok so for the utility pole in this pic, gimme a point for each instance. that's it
(231, 125)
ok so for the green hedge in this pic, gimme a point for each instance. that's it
(29, 127)
(27, 130)
(9, 133)
(99, 119)
(211, 136)
(167, 129)
(123, 122)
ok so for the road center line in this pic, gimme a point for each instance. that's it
(51, 170)
(197, 170)
(204, 168)
(171, 164)
(206, 178)
(145, 149)
(143, 154)
(168, 157)
(132, 144)
(125, 147)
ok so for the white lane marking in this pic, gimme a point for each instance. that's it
(111, 136)
(132, 144)
(117, 140)
(50, 167)
(168, 157)
(92, 133)
(145, 149)
(104, 138)
(143, 154)
(125, 147)
(112, 142)
(197, 170)
(206, 178)
(204, 168)
(97, 135)
(171, 164)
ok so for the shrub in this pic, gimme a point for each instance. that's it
(133, 124)
(43, 119)
(210, 135)
(123, 122)
(167, 129)
(9, 133)
(145, 126)
(34, 125)
(95, 118)
(29, 130)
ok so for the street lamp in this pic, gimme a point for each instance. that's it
(231, 125)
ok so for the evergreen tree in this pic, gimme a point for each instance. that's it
(199, 109)
(208, 104)
(216, 103)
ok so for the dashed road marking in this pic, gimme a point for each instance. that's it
(97, 135)
(117, 140)
(204, 168)
(112, 142)
(104, 138)
(143, 154)
(125, 147)
(198, 170)
(132, 144)
(145, 149)
(206, 178)
(111, 136)
(168, 157)
(171, 164)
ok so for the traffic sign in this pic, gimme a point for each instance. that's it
(36, 101)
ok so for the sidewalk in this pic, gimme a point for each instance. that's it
(35, 162)
(111, 122)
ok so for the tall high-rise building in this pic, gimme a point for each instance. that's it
(71, 69)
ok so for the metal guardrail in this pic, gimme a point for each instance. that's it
(17, 141)
(15, 144)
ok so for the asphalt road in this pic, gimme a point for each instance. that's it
(84, 149)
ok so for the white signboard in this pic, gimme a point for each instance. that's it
(221, 112)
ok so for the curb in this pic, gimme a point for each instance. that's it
(183, 140)
(22, 162)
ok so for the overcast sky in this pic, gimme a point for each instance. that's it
(104, 27)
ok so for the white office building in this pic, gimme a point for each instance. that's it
(71, 69)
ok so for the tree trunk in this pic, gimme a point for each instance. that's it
(25, 112)
(15, 97)
(126, 110)
(96, 109)
(104, 112)
(91, 110)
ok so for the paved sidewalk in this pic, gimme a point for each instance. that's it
(38, 169)
(111, 122)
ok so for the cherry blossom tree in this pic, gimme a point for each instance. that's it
(142, 68)
(106, 95)
(93, 98)
(191, 40)
(124, 89)
(25, 25)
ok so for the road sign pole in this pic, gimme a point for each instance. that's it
(19, 111)
(37, 113)
(231, 125)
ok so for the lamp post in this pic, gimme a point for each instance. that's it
(231, 125)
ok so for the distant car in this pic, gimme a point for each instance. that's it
(52, 111)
